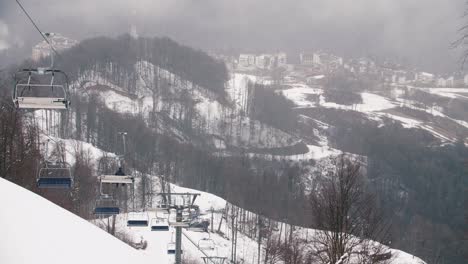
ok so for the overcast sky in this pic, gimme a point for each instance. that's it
(417, 31)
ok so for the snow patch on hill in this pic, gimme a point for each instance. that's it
(221, 122)
(376, 107)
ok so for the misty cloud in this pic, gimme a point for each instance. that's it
(419, 31)
(3, 36)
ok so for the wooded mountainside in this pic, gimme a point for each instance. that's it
(420, 184)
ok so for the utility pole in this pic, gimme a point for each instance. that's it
(178, 258)
(212, 223)
(122, 159)
(122, 165)
(259, 238)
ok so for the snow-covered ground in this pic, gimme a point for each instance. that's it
(446, 92)
(34, 230)
(375, 106)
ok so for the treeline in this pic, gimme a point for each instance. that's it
(270, 107)
(345, 88)
(115, 59)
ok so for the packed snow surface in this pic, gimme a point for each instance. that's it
(35, 230)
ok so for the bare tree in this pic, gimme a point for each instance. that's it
(347, 217)
(462, 41)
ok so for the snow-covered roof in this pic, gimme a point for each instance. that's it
(426, 74)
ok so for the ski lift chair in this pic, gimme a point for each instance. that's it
(199, 226)
(159, 224)
(53, 95)
(206, 244)
(137, 219)
(171, 249)
(55, 175)
(106, 206)
(116, 179)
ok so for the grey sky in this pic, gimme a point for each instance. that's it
(419, 31)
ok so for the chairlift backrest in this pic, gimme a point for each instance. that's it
(206, 243)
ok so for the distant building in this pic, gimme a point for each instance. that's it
(133, 31)
(263, 61)
(425, 77)
(316, 58)
(450, 82)
(387, 75)
(458, 80)
(365, 66)
(59, 42)
(410, 76)
(399, 77)
(281, 59)
(465, 80)
(246, 60)
(307, 58)
(441, 82)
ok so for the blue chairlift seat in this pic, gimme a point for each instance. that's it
(106, 206)
(160, 228)
(66, 183)
(55, 175)
(137, 223)
(137, 219)
(107, 210)
(159, 224)
(171, 249)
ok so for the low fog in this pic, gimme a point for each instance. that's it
(417, 32)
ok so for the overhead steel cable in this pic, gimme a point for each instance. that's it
(37, 28)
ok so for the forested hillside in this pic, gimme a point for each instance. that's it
(261, 147)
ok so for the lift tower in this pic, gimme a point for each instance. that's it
(181, 202)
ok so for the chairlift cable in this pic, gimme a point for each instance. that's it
(37, 28)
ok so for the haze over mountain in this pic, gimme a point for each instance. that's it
(417, 32)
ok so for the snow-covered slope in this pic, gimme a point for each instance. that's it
(220, 120)
(34, 230)
(375, 106)
(246, 246)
